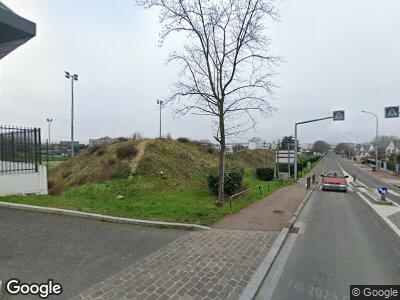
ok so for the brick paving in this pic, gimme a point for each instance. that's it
(212, 264)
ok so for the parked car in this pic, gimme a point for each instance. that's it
(334, 181)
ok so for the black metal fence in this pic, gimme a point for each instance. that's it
(20, 150)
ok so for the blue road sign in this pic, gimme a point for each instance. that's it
(338, 115)
(392, 112)
(382, 190)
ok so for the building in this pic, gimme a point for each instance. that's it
(21, 171)
(391, 149)
(258, 143)
(102, 141)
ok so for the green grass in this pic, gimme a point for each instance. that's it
(152, 198)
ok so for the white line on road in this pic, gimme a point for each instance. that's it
(383, 211)
(394, 193)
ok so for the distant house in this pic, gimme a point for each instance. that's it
(258, 143)
(391, 149)
(63, 148)
(102, 141)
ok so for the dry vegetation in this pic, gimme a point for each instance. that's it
(183, 162)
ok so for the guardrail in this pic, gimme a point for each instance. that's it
(241, 193)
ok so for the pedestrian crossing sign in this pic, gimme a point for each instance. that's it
(338, 115)
(392, 112)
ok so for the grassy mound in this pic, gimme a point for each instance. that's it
(182, 163)
(150, 179)
(94, 165)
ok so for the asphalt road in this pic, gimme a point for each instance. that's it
(344, 242)
(367, 179)
(76, 253)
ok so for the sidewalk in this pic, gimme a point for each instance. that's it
(269, 214)
(384, 176)
(212, 264)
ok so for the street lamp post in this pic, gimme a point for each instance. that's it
(159, 102)
(49, 121)
(377, 134)
(73, 78)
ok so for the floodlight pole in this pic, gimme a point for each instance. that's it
(295, 141)
(159, 102)
(377, 135)
(49, 121)
(73, 78)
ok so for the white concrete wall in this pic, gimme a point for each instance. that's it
(24, 183)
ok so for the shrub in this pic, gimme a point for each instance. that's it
(101, 151)
(120, 170)
(183, 140)
(93, 149)
(232, 180)
(264, 173)
(126, 151)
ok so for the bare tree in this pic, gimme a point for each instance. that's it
(226, 65)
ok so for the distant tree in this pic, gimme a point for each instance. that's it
(226, 63)
(288, 141)
(341, 148)
(320, 146)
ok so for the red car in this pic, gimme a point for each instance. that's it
(334, 181)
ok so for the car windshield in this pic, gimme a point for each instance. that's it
(334, 174)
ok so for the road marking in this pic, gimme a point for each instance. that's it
(394, 193)
(383, 211)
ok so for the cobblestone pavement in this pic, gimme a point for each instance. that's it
(212, 264)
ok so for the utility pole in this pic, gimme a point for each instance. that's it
(395, 157)
(376, 137)
(288, 158)
(159, 102)
(277, 159)
(49, 121)
(73, 78)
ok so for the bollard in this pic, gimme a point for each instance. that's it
(383, 197)
(308, 183)
(355, 177)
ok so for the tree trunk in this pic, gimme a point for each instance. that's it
(221, 193)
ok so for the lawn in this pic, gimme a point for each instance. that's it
(152, 198)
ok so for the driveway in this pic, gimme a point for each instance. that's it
(76, 253)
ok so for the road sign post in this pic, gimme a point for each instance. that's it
(383, 191)
(338, 115)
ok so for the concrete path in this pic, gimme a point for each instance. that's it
(343, 242)
(75, 252)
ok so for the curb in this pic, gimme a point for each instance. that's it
(262, 271)
(104, 218)
(257, 279)
(2, 288)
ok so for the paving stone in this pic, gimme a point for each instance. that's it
(213, 264)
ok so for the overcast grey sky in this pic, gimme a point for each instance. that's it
(340, 54)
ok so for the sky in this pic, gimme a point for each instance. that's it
(338, 54)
